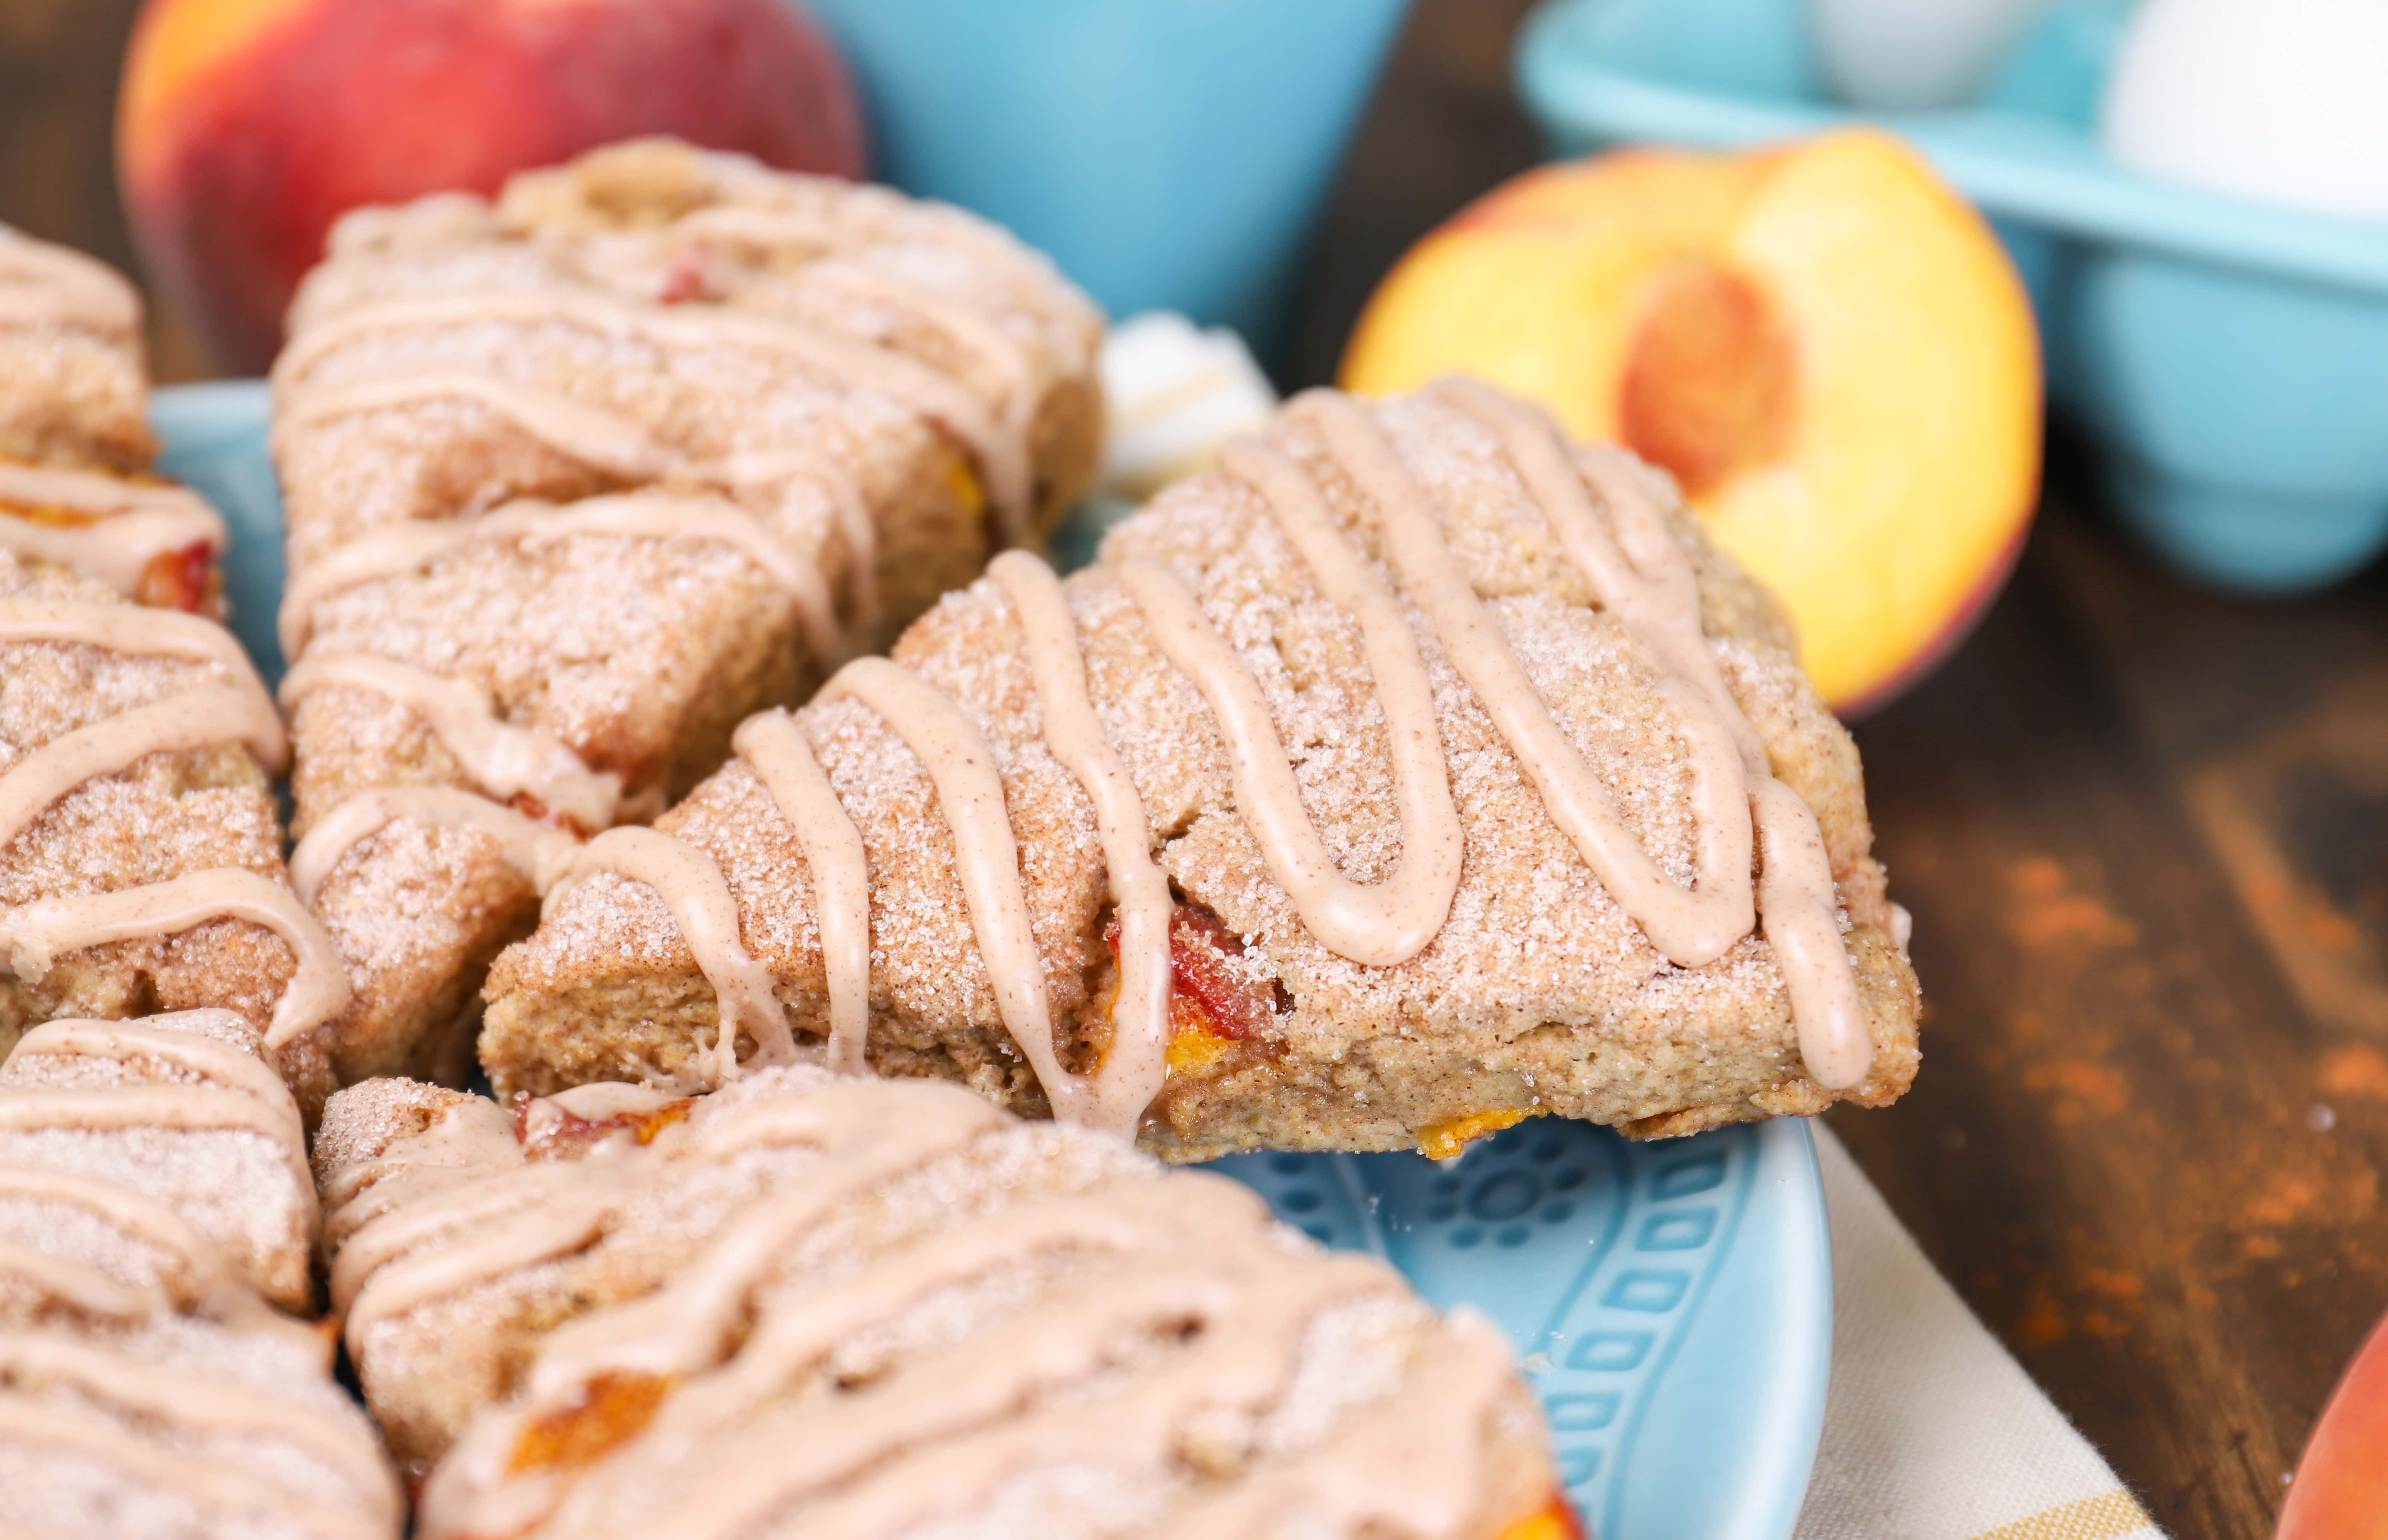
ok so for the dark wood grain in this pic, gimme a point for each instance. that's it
(2145, 831)
(59, 64)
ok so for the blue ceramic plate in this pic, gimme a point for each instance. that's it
(1673, 1300)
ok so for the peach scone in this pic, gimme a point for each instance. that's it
(153, 1176)
(140, 845)
(183, 1110)
(1413, 771)
(75, 444)
(813, 1305)
(578, 478)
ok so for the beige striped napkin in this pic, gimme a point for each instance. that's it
(1902, 1458)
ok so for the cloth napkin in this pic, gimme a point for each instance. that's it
(1932, 1432)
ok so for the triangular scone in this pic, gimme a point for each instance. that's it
(559, 519)
(813, 1305)
(1414, 765)
(182, 1110)
(148, 1172)
(813, 349)
(75, 440)
(140, 846)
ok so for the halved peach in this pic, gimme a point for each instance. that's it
(1827, 348)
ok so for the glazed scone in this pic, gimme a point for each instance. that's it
(813, 1305)
(151, 1173)
(652, 313)
(75, 441)
(73, 389)
(1404, 776)
(169, 1428)
(578, 479)
(140, 845)
(183, 1109)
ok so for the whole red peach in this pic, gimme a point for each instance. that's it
(2341, 1491)
(248, 126)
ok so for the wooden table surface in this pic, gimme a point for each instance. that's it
(2143, 829)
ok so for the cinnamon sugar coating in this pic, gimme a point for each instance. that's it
(1538, 991)
(605, 328)
(73, 387)
(152, 1179)
(167, 815)
(807, 1304)
(99, 1101)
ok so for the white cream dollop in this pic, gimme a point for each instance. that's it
(1174, 394)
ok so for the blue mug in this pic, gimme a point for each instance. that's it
(1169, 154)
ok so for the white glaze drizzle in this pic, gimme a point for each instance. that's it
(34, 936)
(1411, 1461)
(913, 1449)
(132, 630)
(399, 549)
(848, 512)
(502, 758)
(116, 551)
(456, 1206)
(936, 1434)
(401, 1223)
(168, 1078)
(533, 849)
(126, 1043)
(86, 1290)
(198, 717)
(237, 1496)
(1691, 927)
(183, 1109)
(1387, 922)
(1644, 578)
(1131, 1072)
(970, 790)
(132, 524)
(682, 1326)
(210, 1405)
(1026, 274)
(748, 224)
(782, 760)
(566, 1218)
(595, 436)
(906, 381)
(693, 887)
(1795, 906)
(195, 1279)
(42, 284)
(1004, 355)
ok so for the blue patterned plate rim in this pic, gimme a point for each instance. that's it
(1673, 1301)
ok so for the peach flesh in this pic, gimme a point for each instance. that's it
(1708, 388)
(1827, 347)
